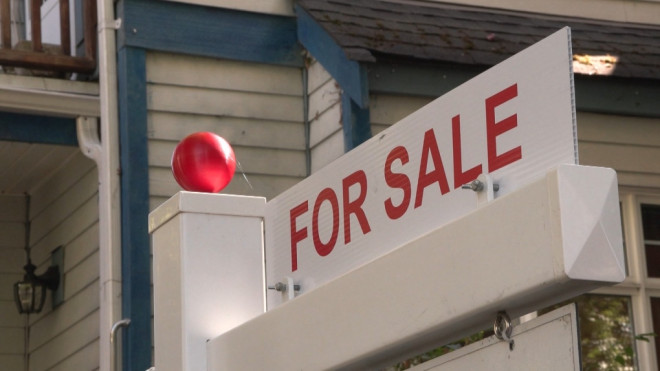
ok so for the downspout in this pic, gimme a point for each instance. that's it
(100, 142)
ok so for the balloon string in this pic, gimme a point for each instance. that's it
(244, 176)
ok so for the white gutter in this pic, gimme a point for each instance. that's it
(106, 156)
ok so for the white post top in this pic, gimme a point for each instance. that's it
(206, 203)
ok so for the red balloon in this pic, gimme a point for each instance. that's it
(203, 162)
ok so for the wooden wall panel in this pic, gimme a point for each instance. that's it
(64, 212)
(84, 359)
(12, 259)
(328, 150)
(174, 69)
(254, 160)
(65, 345)
(12, 208)
(63, 207)
(325, 125)
(56, 185)
(168, 98)
(12, 362)
(77, 306)
(389, 109)
(325, 120)
(243, 132)
(258, 108)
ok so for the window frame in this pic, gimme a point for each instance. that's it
(637, 285)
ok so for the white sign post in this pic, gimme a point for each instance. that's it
(513, 122)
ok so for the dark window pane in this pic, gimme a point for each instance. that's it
(651, 222)
(606, 333)
(651, 229)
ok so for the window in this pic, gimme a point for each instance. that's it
(606, 332)
(651, 232)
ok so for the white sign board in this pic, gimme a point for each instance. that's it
(551, 240)
(546, 343)
(514, 122)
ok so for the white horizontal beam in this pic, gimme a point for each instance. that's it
(551, 240)
(49, 96)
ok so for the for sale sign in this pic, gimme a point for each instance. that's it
(513, 122)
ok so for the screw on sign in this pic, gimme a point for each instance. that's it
(203, 162)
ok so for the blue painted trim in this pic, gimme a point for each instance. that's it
(209, 31)
(136, 261)
(351, 75)
(355, 122)
(18, 127)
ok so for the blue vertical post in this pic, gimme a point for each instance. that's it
(136, 259)
(356, 124)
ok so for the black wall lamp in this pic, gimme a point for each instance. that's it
(30, 293)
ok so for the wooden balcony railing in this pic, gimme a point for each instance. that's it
(37, 56)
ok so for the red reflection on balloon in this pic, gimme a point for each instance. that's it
(203, 162)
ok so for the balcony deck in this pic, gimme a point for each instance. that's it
(34, 54)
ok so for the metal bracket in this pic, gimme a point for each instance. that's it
(286, 288)
(503, 328)
(113, 25)
(484, 187)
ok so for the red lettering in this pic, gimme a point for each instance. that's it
(355, 207)
(397, 180)
(461, 177)
(326, 194)
(493, 129)
(296, 235)
(438, 175)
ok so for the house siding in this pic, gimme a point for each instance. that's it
(258, 108)
(64, 212)
(326, 140)
(12, 259)
(613, 10)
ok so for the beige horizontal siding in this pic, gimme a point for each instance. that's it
(56, 185)
(84, 359)
(258, 108)
(386, 109)
(324, 112)
(12, 362)
(7, 281)
(64, 212)
(77, 306)
(63, 207)
(183, 99)
(162, 185)
(241, 131)
(12, 259)
(67, 344)
(254, 160)
(328, 150)
(325, 125)
(629, 145)
(219, 74)
(10, 316)
(12, 208)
